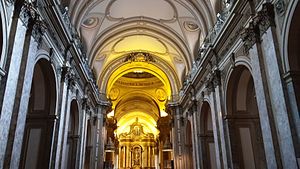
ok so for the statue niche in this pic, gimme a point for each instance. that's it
(136, 152)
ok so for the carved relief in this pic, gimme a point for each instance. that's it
(161, 94)
(250, 36)
(190, 26)
(139, 57)
(117, 10)
(90, 22)
(114, 94)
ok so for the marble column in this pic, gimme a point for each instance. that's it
(82, 132)
(278, 98)
(260, 40)
(65, 126)
(61, 114)
(215, 122)
(200, 137)
(266, 118)
(196, 144)
(21, 102)
(99, 142)
(17, 92)
(177, 136)
(219, 102)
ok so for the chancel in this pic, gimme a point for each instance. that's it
(149, 84)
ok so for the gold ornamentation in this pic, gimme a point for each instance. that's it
(114, 94)
(161, 95)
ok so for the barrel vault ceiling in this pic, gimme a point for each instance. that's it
(141, 50)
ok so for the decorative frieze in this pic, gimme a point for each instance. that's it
(139, 57)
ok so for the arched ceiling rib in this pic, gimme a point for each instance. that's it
(175, 14)
(141, 50)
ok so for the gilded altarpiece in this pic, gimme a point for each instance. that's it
(137, 148)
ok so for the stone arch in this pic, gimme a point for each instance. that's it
(171, 77)
(291, 59)
(290, 31)
(243, 121)
(88, 145)
(208, 151)
(40, 118)
(3, 33)
(1, 37)
(153, 29)
(73, 135)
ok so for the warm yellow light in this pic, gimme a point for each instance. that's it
(149, 124)
(163, 113)
(140, 43)
(138, 71)
(140, 66)
(111, 114)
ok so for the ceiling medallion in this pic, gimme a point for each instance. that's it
(139, 57)
(90, 22)
(114, 94)
(190, 26)
(161, 95)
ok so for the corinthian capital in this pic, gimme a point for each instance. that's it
(32, 20)
(265, 18)
(250, 36)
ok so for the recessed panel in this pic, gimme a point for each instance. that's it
(157, 9)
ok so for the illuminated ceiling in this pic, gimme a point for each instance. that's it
(141, 50)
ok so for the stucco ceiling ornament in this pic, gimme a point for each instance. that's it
(139, 57)
(118, 10)
(114, 94)
(161, 94)
(90, 22)
(190, 26)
